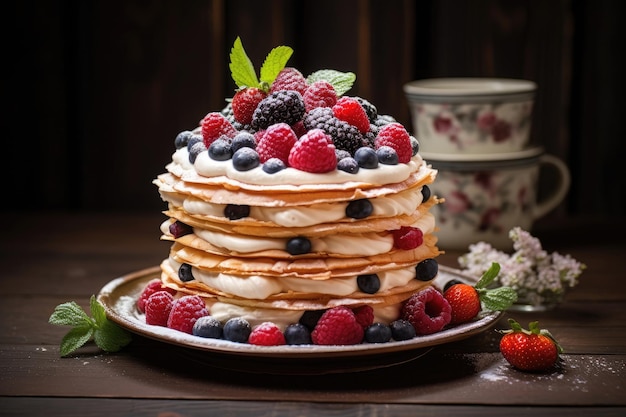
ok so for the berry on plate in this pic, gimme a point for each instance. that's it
(266, 334)
(337, 326)
(464, 301)
(533, 350)
(158, 307)
(427, 311)
(151, 287)
(185, 311)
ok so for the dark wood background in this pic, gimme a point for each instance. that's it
(94, 92)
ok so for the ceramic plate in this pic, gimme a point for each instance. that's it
(120, 295)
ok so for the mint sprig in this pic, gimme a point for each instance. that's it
(243, 72)
(341, 81)
(107, 335)
(494, 299)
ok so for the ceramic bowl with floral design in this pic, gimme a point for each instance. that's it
(471, 115)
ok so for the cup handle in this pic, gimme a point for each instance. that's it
(560, 191)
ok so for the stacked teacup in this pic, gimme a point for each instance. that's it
(476, 133)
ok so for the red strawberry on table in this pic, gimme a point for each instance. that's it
(532, 350)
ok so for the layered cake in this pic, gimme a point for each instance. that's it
(295, 199)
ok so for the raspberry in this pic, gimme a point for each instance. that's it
(345, 136)
(185, 311)
(337, 326)
(289, 78)
(151, 287)
(319, 94)
(427, 311)
(276, 142)
(396, 136)
(281, 106)
(364, 315)
(314, 152)
(407, 238)
(266, 334)
(215, 125)
(350, 111)
(158, 307)
(245, 102)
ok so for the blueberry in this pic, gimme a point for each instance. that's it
(402, 330)
(208, 326)
(415, 145)
(245, 159)
(297, 334)
(236, 211)
(366, 157)
(182, 139)
(359, 209)
(298, 245)
(451, 283)
(368, 283)
(193, 139)
(387, 155)
(426, 270)
(310, 318)
(220, 150)
(273, 165)
(342, 154)
(243, 140)
(195, 150)
(178, 229)
(184, 273)
(425, 193)
(348, 165)
(237, 329)
(378, 333)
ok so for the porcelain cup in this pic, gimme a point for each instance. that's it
(471, 115)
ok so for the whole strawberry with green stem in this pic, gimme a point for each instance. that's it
(533, 349)
(467, 300)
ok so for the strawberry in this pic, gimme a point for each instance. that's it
(532, 350)
(314, 152)
(350, 111)
(465, 302)
(244, 103)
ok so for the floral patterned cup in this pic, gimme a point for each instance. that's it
(486, 198)
(471, 115)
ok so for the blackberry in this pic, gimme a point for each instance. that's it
(221, 149)
(209, 327)
(243, 139)
(182, 139)
(383, 120)
(237, 330)
(297, 334)
(359, 209)
(345, 136)
(273, 165)
(425, 193)
(387, 155)
(228, 113)
(402, 330)
(377, 333)
(426, 270)
(348, 165)
(184, 273)
(366, 158)
(236, 211)
(245, 159)
(370, 109)
(310, 318)
(368, 283)
(282, 106)
(298, 245)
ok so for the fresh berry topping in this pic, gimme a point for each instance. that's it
(366, 158)
(245, 102)
(425, 193)
(276, 142)
(273, 165)
(297, 334)
(359, 209)
(289, 78)
(364, 315)
(407, 238)
(220, 149)
(426, 270)
(182, 139)
(281, 106)
(319, 94)
(193, 139)
(185, 311)
(208, 326)
(348, 165)
(368, 283)
(310, 318)
(451, 283)
(370, 109)
(402, 330)
(184, 273)
(215, 125)
(245, 159)
(178, 229)
(298, 245)
(387, 155)
(337, 326)
(533, 350)
(266, 334)
(151, 287)
(313, 152)
(396, 136)
(195, 150)
(350, 111)
(427, 311)
(237, 330)
(344, 135)
(158, 307)
(378, 333)
(236, 211)
(243, 140)
(464, 301)
(415, 145)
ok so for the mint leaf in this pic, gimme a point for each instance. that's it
(274, 63)
(489, 276)
(498, 299)
(75, 338)
(69, 314)
(241, 68)
(110, 337)
(341, 81)
(97, 311)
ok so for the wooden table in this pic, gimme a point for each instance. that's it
(51, 258)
